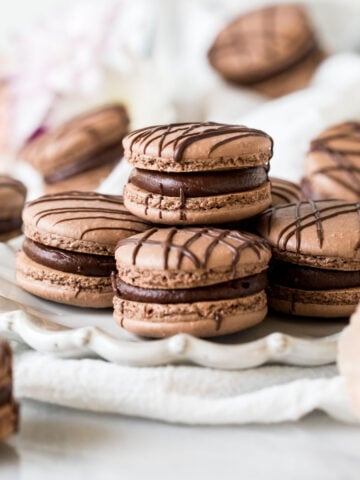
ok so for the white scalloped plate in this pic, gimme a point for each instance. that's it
(73, 332)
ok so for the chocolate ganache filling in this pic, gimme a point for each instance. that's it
(69, 262)
(10, 224)
(241, 287)
(97, 160)
(200, 184)
(308, 278)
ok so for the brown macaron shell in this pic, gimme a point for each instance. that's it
(69, 246)
(284, 191)
(12, 198)
(9, 410)
(178, 157)
(197, 147)
(333, 164)
(184, 261)
(323, 237)
(272, 43)
(85, 143)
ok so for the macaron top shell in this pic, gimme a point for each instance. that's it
(324, 234)
(80, 138)
(189, 257)
(262, 43)
(85, 222)
(12, 197)
(334, 160)
(182, 147)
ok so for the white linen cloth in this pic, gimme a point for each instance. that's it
(184, 394)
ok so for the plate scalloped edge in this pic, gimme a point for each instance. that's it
(49, 337)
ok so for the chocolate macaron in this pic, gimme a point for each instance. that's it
(202, 281)
(79, 154)
(315, 270)
(12, 198)
(197, 173)
(272, 50)
(333, 164)
(68, 251)
(284, 191)
(9, 411)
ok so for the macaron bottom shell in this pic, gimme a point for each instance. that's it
(215, 209)
(310, 303)
(201, 319)
(62, 287)
(82, 182)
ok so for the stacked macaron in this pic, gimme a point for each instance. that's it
(79, 154)
(199, 280)
(9, 411)
(272, 50)
(68, 251)
(315, 269)
(197, 173)
(12, 198)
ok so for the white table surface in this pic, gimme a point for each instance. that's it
(58, 444)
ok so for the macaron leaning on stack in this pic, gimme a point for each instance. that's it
(197, 173)
(68, 251)
(198, 280)
(315, 270)
(80, 153)
(12, 198)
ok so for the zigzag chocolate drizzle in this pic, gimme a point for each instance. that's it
(185, 134)
(117, 214)
(340, 157)
(217, 236)
(320, 212)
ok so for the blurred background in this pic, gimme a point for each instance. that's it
(59, 58)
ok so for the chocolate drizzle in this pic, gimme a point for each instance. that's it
(182, 135)
(319, 213)
(345, 168)
(234, 241)
(108, 208)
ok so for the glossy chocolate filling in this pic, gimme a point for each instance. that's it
(241, 287)
(5, 394)
(200, 184)
(308, 278)
(10, 224)
(69, 262)
(105, 157)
